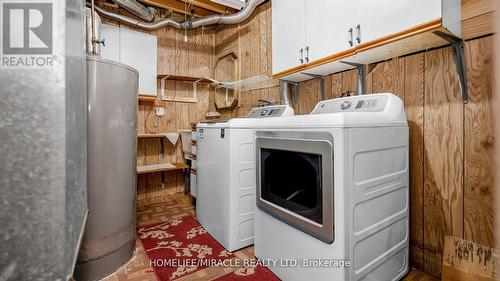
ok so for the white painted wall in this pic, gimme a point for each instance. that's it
(133, 48)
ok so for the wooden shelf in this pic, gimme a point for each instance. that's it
(229, 107)
(161, 168)
(189, 100)
(191, 79)
(150, 136)
(188, 79)
(143, 98)
(172, 137)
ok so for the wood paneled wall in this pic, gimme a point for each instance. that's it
(176, 56)
(451, 144)
(478, 18)
(251, 41)
(497, 118)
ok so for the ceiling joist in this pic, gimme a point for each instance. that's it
(200, 7)
(211, 6)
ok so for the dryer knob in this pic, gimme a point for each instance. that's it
(345, 105)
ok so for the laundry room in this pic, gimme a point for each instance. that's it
(158, 140)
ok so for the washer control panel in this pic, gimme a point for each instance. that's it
(352, 104)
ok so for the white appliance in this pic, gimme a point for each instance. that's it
(333, 186)
(225, 195)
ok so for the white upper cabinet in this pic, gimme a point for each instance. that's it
(288, 34)
(378, 18)
(327, 25)
(318, 36)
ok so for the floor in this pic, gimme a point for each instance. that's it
(162, 208)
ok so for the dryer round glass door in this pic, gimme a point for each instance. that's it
(292, 180)
(295, 180)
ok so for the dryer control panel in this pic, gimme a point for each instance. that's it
(270, 111)
(365, 103)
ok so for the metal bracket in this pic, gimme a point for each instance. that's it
(321, 79)
(163, 86)
(195, 83)
(459, 58)
(361, 76)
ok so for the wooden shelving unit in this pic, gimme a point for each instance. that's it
(190, 79)
(187, 79)
(150, 136)
(171, 137)
(166, 167)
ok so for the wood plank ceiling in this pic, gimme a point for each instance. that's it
(195, 8)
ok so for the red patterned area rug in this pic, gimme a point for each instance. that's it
(180, 246)
(258, 273)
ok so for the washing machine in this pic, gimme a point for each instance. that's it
(332, 191)
(225, 199)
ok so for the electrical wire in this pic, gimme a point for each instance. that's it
(146, 122)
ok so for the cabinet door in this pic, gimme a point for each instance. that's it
(138, 50)
(379, 18)
(288, 33)
(327, 24)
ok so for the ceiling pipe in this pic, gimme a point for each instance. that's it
(238, 17)
(136, 23)
(136, 8)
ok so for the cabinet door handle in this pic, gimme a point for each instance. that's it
(349, 37)
(358, 33)
(301, 55)
(307, 54)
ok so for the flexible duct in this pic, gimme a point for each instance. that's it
(136, 23)
(137, 9)
(285, 92)
(238, 17)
